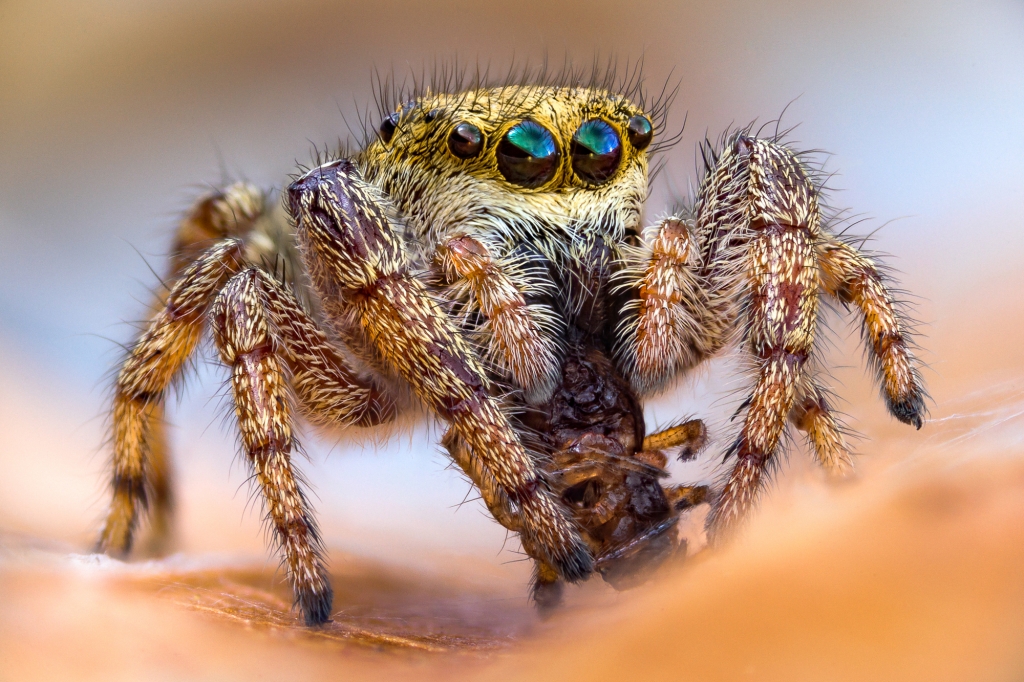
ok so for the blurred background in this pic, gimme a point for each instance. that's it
(116, 114)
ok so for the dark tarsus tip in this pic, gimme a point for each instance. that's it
(547, 597)
(910, 410)
(687, 453)
(700, 494)
(694, 447)
(316, 606)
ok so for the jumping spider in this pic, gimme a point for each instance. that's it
(484, 255)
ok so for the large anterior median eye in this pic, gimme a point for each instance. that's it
(528, 155)
(596, 151)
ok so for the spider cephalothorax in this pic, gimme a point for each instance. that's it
(483, 255)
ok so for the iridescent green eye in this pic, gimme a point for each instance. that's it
(528, 155)
(640, 131)
(596, 151)
(465, 141)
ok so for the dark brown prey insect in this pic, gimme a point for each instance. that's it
(608, 474)
(484, 256)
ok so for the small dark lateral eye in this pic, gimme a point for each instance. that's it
(388, 126)
(596, 151)
(465, 141)
(528, 155)
(431, 115)
(640, 131)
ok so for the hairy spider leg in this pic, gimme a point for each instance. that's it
(328, 390)
(751, 261)
(685, 496)
(757, 200)
(691, 436)
(246, 344)
(359, 266)
(759, 211)
(141, 384)
(160, 481)
(140, 443)
(665, 326)
(231, 211)
(519, 344)
(813, 414)
(497, 502)
(853, 277)
(546, 590)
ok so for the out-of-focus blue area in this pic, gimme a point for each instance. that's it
(101, 147)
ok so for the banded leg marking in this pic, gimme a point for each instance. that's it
(329, 391)
(497, 502)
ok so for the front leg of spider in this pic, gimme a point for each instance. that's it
(359, 267)
(244, 338)
(766, 258)
(260, 331)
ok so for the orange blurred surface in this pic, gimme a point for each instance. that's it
(912, 572)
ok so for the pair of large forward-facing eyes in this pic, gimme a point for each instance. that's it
(527, 154)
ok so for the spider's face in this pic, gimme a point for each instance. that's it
(518, 160)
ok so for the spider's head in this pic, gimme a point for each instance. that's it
(515, 160)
